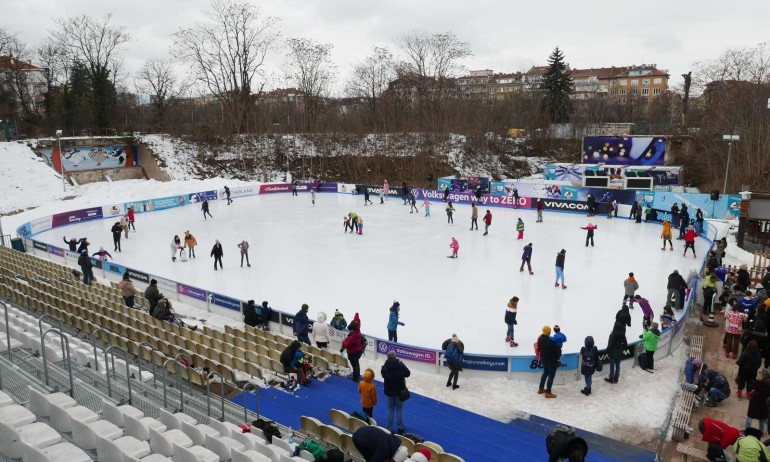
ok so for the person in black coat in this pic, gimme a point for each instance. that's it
(567, 445)
(73, 244)
(83, 244)
(675, 283)
(86, 267)
(623, 317)
(250, 317)
(377, 446)
(549, 356)
(217, 253)
(227, 193)
(634, 209)
(744, 278)
(394, 374)
(116, 232)
(616, 345)
(287, 356)
(675, 215)
(302, 324)
(205, 209)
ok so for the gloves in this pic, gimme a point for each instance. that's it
(515, 322)
(401, 324)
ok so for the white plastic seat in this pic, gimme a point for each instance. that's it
(61, 418)
(35, 434)
(30, 340)
(224, 428)
(5, 399)
(15, 343)
(198, 433)
(270, 450)
(140, 428)
(174, 421)
(150, 458)
(115, 413)
(15, 416)
(249, 440)
(283, 444)
(194, 454)
(222, 445)
(306, 455)
(84, 434)
(40, 403)
(61, 452)
(83, 356)
(119, 448)
(249, 456)
(163, 442)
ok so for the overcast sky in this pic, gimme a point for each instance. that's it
(505, 36)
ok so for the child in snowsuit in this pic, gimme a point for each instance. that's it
(510, 320)
(346, 224)
(301, 367)
(368, 393)
(558, 337)
(426, 206)
(393, 322)
(526, 257)
(176, 246)
(666, 235)
(360, 225)
(455, 246)
(102, 254)
(338, 321)
(590, 233)
(520, 229)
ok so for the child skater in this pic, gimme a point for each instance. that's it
(455, 246)
(360, 225)
(176, 245)
(413, 204)
(449, 211)
(426, 206)
(346, 224)
(589, 233)
(666, 235)
(520, 229)
(102, 254)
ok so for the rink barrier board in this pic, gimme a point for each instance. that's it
(570, 363)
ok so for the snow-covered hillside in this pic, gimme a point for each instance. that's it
(26, 181)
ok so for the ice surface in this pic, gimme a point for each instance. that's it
(300, 254)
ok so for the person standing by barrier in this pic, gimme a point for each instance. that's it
(301, 324)
(590, 359)
(616, 346)
(453, 352)
(540, 206)
(86, 267)
(393, 322)
(354, 344)
(394, 374)
(548, 353)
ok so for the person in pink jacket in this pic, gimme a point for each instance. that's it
(455, 246)
(386, 189)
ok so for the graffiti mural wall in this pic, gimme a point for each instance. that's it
(79, 158)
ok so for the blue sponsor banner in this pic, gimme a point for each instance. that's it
(727, 207)
(225, 302)
(114, 268)
(194, 198)
(531, 364)
(190, 291)
(162, 203)
(485, 363)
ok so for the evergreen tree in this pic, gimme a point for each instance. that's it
(557, 84)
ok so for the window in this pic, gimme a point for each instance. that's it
(623, 82)
(634, 83)
(645, 91)
(633, 90)
(657, 80)
(656, 91)
(622, 92)
(612, 92)
(646, 82)
(622, 101)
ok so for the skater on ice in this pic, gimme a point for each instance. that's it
(515, 198)
(449, 212)
(72, 243)
(205, 209)
(590, 233)
(353, 216)
(217, 253)
(630, 286)
(366, 196)
(673, 286)
(689, 241)
(413, 204)
(610, 209)
(647, 314)
(634, 210)
(445, 192)
(615, 208)
(190, 242)
(520, 229)
(404, 192)
(227, 194)
(102, 254)
(474, 216)
(487, 222)
(386, 189)
(124, 224)
(176, 246)
(666, 235)
(393, 322)
(540, 206)
(511, 310)
(426, 206)
(453, 353)
(455, 246)
(131, 217)
(591, 202)
(346, 224)
(360, 225)
(312, 196)
(560, 269)
(526, 258)
(294, 185)
(117, 232)
(244, 247)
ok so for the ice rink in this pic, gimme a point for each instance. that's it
(300, 254)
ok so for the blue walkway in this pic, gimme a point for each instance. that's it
(471, 436)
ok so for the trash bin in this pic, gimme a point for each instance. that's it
(18, 244)
(721, 273)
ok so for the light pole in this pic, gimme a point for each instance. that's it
(729, 139)
(61, 161)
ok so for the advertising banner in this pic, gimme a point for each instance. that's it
(727, 207)
(557, 204)
(75, 216)
(190, 291)
(157, 204)
(338, 335)
(166, 285)
(114, 268)
(280, 187)
(138, 275)
(41, 224)
(347, 188)
(40, 246)
(55, 251)
(531, 364)
(628, 352)
(407, 352)
(72, 257)
(467, 198)
(225, 302)
(485, 363)
(287, 320)
(624, 150)
(114, 210)
(240, 191)
(24, 230)
(194, 198)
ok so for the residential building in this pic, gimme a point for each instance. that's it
(474, 85)
(24, 81)
(503, 86)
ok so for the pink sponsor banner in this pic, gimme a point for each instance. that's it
(274, 188)
(407, 352)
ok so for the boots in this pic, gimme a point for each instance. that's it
(586, 391)
(740, 394)
(563, 286)
(507, 338)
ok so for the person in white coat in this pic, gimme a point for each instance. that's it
(321, 331)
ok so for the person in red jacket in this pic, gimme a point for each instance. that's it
(130, 214)
(689, 241)
(540, 207)
(487, 222)
(354, 344)
(718, 435)
(589, 233)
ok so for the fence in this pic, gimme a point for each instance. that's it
(523, 366)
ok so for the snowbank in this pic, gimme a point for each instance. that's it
(26, 181)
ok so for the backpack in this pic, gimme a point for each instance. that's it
(537, 350)
(589, 361)
(360, 415)
(415, 438)
(269, 429)
(312, 447)
(643, 361)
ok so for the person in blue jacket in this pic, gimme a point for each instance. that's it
(302, 324)
(453, 353)
(558, 337)
(526, 257)
(393, 322)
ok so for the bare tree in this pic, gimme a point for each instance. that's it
(15, 79)
(94, 42)
(311, 70)
(227, 54)
(158, 80)
(370, 78)
(6, 38)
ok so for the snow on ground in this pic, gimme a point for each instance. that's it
(179, 157)
(26, 181)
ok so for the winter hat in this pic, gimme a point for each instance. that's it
(423, 455)
(676, 271)
(125, 276)
(556, 328)
(401, 454)
(630, 275)
(337, 313)
(589, 342)
(655, 325)
(547, 330)
(455, 338)
(356, 318)
(264, 304)
(154, 282)
(697, 362)
(305, 307)
(396, 304)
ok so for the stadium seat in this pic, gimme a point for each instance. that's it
(121, 447)
(163, 442)
(174, 421)
(115, 413)
(36, 434)
(194, 454)
(84, 434)
(197, 433)
(222, 446)
(224, 428)
(5, 399)
(249, 456)
(140, 428)
(62, 417)
(40, 404)
(61, 452)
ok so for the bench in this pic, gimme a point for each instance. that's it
(696, 346)
(682, 410)
(689, 451)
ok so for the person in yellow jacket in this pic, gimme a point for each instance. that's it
(190, 242)
(749, 448)
(368, 393)
(666, 235)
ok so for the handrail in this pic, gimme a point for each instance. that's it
(179, 377)
(153, 352)
(93, 342)
(40, 322)
(221, 393)
(7, 337)
(244, 389)
(107, 351)
(65, 345)
(165, 372)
